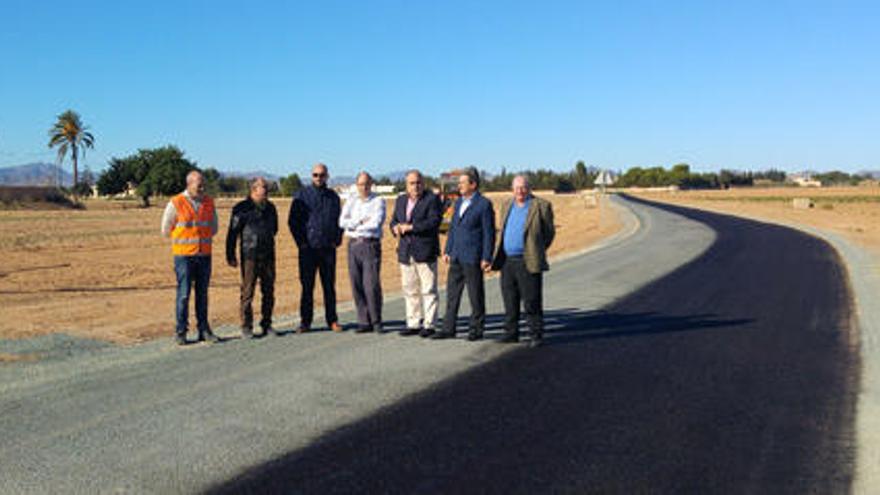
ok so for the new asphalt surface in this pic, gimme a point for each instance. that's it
(735, 373)
(701, 353)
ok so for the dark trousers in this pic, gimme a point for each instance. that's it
(364, 262)
(518, 285)
(192, 271)
(251, 270)
(461, 275)
(323, 261)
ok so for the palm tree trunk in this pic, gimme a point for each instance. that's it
(75, 174)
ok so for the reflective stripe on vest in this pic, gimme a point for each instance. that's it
(192, 231)
(192, 224)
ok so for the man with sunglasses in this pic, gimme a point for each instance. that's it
(314, 224)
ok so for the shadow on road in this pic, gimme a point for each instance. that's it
(734, 373)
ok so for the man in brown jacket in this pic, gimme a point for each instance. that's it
(526, 233)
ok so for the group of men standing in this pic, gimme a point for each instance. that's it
(319, 222)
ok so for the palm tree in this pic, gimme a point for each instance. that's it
(69, 133)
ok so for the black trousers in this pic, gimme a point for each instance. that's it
(323, 261)
(251, 270)
(461, 275)
(520, 286)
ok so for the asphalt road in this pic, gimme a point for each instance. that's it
(702, 353)
(735, 373)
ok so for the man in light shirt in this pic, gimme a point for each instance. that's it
(362, 218)
(190, 220)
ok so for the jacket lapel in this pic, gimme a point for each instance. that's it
(505, 212)
(456, 213)
(533, 212)
(473, 204)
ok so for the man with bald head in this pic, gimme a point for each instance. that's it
(314, 224)
(416, 224)
(362, 218)
(527, 231)
(190, 220)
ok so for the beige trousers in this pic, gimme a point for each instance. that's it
(419, 282)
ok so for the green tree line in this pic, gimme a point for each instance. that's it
(162, 171)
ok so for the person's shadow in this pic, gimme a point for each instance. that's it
(571, 325)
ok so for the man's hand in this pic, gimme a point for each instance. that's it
(485, 265)
(233, 263)
(446, 258)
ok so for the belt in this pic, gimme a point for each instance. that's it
(355, 240)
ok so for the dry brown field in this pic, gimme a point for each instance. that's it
(853, 212)
(106, 273)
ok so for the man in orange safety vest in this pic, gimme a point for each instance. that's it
(190, 220)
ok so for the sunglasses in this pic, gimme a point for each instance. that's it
(318, 176)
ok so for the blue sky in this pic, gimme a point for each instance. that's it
(394, 84)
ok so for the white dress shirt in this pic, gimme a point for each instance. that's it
(465, 202)
(363, 217)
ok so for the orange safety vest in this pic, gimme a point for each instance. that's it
(192, 232)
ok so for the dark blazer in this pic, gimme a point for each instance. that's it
(422, 243)
(314, 218)
(538, 233)
(256, 227)
(471, 237)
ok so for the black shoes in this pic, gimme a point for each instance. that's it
(208, 335)
(426, 333)
(365, 329)
(509, 338)
(380, 328)
(442, 335)
(180, 339)
(270, 331)
(409, 332)
(475, 335)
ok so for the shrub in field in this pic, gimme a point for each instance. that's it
(31, 197)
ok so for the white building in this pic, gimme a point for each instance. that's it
(804, 179)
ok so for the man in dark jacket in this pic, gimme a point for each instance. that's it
(416, 223)
(468, 252)
(255, 222)
(314, 223)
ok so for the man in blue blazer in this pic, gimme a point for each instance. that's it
(468, 253)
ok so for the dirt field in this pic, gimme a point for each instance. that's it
(105, 272)
(853, 212)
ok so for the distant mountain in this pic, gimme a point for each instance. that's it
(35, 174)
(395, 176)
(251, 174)
(342, 180)
(874, 174)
